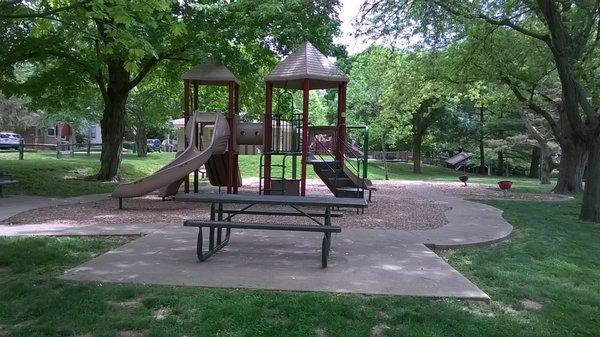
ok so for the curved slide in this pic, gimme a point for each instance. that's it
(169, 178)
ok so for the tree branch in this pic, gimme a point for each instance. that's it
(506, 22)
(534, 107)
(533, 131)
(152, 62)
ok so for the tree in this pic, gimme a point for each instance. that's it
(115, 44)
(13, 113)
(418, 94)
(570, 32)
(545, 151)
(371, 77)
(150, 107)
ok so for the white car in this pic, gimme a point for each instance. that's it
(9, 140)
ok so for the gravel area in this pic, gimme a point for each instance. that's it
(393, 207)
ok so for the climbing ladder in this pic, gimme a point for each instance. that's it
(285, 144)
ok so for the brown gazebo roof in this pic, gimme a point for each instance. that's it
(306, 62)
(210, 73)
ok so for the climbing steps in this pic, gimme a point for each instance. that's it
(339, 182)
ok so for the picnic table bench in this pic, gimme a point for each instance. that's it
(220, 218)
(5, 179)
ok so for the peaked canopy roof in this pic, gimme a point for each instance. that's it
(306, 62)
(210, 73)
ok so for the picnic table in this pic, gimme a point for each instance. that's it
(221, 217)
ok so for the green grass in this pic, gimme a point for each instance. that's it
(43, 174)
(551, 260)
(403, 171)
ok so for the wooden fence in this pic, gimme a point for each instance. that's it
(61, 149)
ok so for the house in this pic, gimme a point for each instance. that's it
(38, 132)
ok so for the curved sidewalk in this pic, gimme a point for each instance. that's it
(15, 204)
(469, 223)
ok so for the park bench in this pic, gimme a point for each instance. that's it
(5, 179)
(221, 218)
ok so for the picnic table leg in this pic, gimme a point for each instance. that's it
(326, 239)
(211, 239)
(215, 212)
(219, 229)
(325, 249)
(199, 245)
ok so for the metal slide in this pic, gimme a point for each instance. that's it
(169, 178)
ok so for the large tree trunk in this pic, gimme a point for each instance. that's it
(571, 168)
(113, 120)
(416, 151)
(590, 208)
(141, 143)
(547, 164)
(501, 165)
(534, 166)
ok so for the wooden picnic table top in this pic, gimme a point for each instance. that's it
(324, 201)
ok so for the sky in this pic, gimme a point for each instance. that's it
(348, 13)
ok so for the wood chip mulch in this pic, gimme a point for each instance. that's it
(393, 207)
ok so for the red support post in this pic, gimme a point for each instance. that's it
(195, 128)
(186, 118)
(305, 97)
(231, 143)
(267, 134)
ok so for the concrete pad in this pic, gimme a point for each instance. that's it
(362, 261)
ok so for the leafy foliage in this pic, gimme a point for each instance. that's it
(13, 113)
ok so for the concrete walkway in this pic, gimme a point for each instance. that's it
(13, 205)
(362, 261)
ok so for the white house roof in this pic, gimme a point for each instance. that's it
(306, 62)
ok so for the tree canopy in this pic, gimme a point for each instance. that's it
(557, 82)
(105, 48)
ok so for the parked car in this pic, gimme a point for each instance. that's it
(153, 144)
(9, 140)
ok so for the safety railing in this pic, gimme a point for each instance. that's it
(360, 183)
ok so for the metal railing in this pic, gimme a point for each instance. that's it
(327, 163)
(360, 183)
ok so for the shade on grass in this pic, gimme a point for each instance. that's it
(550, 262)
(43, 174)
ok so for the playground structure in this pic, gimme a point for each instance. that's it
(212, 140)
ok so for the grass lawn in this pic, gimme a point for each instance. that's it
(551, 262)
(43, 174)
